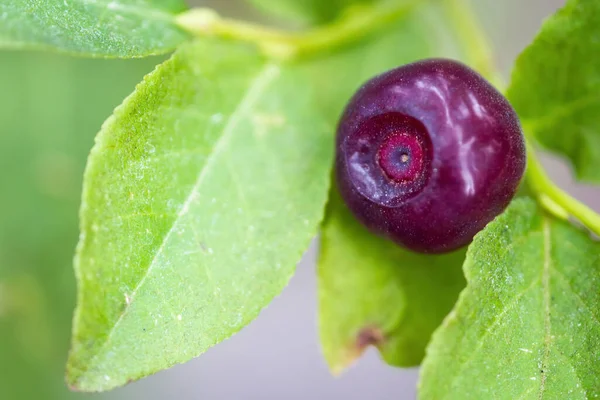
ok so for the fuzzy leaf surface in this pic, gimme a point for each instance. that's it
(527, 326)
(201, 194)
(97, 28)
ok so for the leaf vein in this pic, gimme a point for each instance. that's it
(526, 393)
(492, 326)
(546, 293)
(265, 77)
(577, 295)
(560, 112)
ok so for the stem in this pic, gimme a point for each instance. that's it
(541, 183)
(355, 25)
(477, 46)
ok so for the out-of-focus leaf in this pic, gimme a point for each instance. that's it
(51, 107)
(307, 11)
(202, 192)
(105, 28)
(372, 292)
(556, 86)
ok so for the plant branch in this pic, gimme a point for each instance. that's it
(354, 25)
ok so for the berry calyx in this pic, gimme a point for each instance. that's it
(401, 158)
(389, 158)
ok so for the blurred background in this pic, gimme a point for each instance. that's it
(50, 109)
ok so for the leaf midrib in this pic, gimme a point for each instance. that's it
(544, 279)
(547, 304)
(562, 111)
(265, 76)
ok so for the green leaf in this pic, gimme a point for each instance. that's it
(51, 108)
(307, 11)
(103, 28)
(556, 86)
(200, 196)
(371, 291)
(527, 326)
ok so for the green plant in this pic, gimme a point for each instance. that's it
(207, 183)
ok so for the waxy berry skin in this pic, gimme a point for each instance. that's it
(428, 154)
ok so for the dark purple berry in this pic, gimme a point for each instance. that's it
(428, 154)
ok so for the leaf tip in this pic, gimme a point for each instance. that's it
(79, 380)
(369, 336)
(87, 384)
(72, 379)
(365, 338)
(72, 382)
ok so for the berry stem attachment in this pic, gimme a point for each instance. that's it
(554, 199)
(357, 23)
